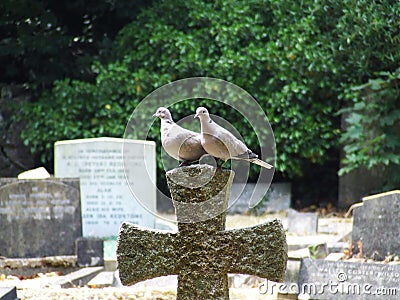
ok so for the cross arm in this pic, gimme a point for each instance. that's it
(143, 254)
(259, 250)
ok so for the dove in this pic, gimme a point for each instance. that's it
(180, 143)
(220, 143)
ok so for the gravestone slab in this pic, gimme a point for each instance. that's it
(107, 198)
(277, 198)
(376, 223)
(322, 279)
(202, 252)
(8, 293)
(89, 252)
(39, 217)
(302, 223)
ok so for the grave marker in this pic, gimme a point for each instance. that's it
(302, 223)
(39, 217)
(276, 199)
(323, 279)
(107, 199)
(201, 253)
(376, 223)
(89, 252)
(8, 293)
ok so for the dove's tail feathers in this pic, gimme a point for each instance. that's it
(261, 163)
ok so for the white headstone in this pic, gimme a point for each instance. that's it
(107, 198)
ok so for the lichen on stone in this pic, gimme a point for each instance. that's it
(201, 253)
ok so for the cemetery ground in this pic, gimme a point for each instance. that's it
(330, 255)
(45, 278)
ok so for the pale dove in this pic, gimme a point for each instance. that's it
(178, 142)
(220, 143)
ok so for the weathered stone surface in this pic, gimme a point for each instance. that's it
(140, 251)
(200, 193)
(376, 225)
(201, 253)
(39, 217)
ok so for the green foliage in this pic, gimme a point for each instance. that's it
(77, 109)
(369, 38)
(274, 50)
(299, 59)
(372, 136)
(370, 45)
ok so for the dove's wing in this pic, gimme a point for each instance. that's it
(180, 143)
(221, 143)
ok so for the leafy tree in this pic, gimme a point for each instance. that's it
(370, 46)
(300, 60)
(241, 42)
(372, 136)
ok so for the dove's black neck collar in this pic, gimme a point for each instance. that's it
(168, 121)
(210, 121)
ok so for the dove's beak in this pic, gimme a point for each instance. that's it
(196, 116)
(156, 115)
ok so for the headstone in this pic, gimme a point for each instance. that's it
(359, 183)
(8, 293)
(201, 253)
(107, 198)
(39, 217)
(292, 270)
(89, 252)
(277, 198)
(376, 224)
(323, 279)
(302, 223)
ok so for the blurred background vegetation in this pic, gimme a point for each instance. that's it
(326, 72)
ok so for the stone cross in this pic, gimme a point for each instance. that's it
(201, 253)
